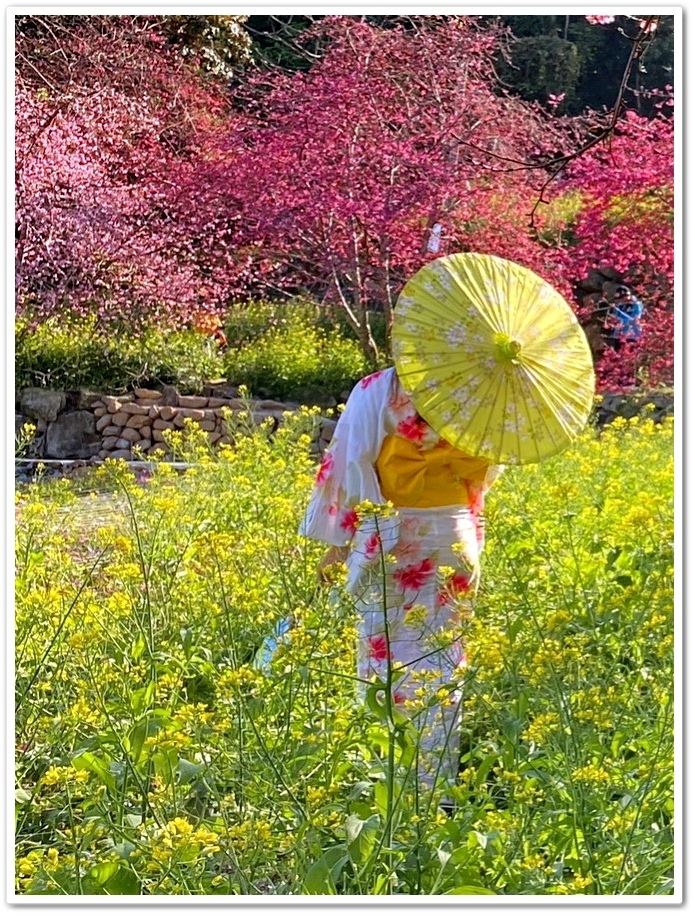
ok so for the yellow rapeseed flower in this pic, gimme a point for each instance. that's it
(55, 776)
(542, 727)
(532, 862)
(591, 774)
(84, 713)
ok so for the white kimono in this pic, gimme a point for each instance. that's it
(431, 568)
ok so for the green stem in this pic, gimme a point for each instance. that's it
(58, 630)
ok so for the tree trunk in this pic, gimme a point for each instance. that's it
(367, 342)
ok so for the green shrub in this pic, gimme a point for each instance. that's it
(296, 359)
(79, 354)
(247, 322)
(290, 349)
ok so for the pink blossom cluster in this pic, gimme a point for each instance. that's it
(99, 164)
(600, 20)
(336, 176)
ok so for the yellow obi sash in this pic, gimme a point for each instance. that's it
(423, 479)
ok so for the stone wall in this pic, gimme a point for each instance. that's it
(87, 425)
(627, 406)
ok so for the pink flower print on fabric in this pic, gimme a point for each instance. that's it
(476, 502)
(378, 648)
(415, 575)
(372, 547)
(413, 428)
(349, 521)
(415, 528)
(325, 468)
(406, 551)
(370, 379)
(459, 582)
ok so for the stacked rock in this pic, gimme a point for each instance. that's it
(325, 434)
(140, 420)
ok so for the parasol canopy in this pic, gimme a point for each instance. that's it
(493, 358)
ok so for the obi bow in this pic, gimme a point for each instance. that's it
(424, 478)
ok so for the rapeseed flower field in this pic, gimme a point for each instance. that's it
(155, 755)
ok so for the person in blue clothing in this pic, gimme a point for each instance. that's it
(624, 318)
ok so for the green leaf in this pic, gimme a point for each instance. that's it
(444, 855)
(481, 838)
(666, 887)
(596, 545)
(360, 788)
(612, 556)
(374, 703)
(353, 827)
(138, 647)
(188, 771)
(381, 797)
(123, 882)
(471, 889)
(484, 769)
(153, 721)
(165, 762)
(383, 884)
(361, 836)
(510, 729)
(136, 740)
(102, 873)
(521, 704)
(515, 548)
(186, 634)
(515, 628)
(322, 875)
(140, 699)
(97, 765)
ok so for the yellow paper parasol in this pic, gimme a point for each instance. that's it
(493, 358)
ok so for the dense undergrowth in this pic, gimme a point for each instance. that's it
(154, 756)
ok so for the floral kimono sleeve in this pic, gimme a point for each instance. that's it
(347, 475)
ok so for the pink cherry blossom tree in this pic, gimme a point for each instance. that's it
(107, 121)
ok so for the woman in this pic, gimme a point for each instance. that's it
(412, 604)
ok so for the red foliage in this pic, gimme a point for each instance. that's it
(339, 174)
(626, 223)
